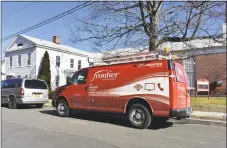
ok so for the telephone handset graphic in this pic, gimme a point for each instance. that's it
(159, 86)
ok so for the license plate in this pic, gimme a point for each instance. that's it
(36, 95)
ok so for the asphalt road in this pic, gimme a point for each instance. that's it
(41, 128)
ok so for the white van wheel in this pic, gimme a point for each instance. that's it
(12, 103)
(62, 108)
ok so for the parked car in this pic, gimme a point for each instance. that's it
(16, 92)
(145, 91)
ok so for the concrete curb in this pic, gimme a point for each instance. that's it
(200, 121)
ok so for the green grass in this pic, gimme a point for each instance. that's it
(214, 104)
(49, 103)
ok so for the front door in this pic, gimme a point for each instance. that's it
(77, 91)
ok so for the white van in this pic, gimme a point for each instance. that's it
(16, 92)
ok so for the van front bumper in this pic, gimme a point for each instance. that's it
(183, 112)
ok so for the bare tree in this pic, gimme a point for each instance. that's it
(111, 25)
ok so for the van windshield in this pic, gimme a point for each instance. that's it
(35, 84)
(181, 75)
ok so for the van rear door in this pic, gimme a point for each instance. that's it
(182, 85)
(35, 89)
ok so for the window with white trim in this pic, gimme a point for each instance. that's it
(11, 62)
(58, 61)
(79, 64)
(189, 67)
(57, 80)
(19, 61)
(29, 59)
(20, 44)
(71, 63)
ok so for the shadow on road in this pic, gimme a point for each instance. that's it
(23, 107)
(107, 118)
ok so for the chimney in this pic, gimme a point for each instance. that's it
(56, 39)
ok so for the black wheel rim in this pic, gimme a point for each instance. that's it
(137, 116)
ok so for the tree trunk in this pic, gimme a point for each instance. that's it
(153, 41)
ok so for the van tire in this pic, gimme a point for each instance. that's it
(39, 105)
(12, 103)
(139, 116)
(62, 108)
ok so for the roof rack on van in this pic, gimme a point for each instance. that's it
(131, 58)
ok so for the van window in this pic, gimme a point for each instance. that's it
(2, 82)
(35, 84)
(181, 75)
(12, 83)
(5, 84)
(16, 83)
(80, 77)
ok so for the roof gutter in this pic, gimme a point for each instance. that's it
(18, 49)
(61, 50)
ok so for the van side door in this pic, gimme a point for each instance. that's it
(77, 91)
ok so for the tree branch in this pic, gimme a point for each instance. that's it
(145, 26)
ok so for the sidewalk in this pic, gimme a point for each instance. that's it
(209, 114)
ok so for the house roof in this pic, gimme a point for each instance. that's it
(45, 43)
(173, 47)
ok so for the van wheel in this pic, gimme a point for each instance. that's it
(39, 105)
(139, 116)
(63, 108)
(12, 103)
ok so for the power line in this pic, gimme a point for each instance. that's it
(22, 8)
(48, 20)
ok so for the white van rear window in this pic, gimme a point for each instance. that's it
(35, 84)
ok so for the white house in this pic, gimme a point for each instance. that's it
(3, 74)
(24, 55)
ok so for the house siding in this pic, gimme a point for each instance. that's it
(24, 69)
(64, 64)
(3, 71)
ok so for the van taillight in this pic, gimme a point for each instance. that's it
(22, 92)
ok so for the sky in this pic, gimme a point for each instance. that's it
(17, 16)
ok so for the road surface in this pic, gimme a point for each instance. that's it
(41, 128)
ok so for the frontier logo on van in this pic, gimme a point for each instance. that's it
(105, 75)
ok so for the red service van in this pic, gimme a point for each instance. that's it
(145, 88)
